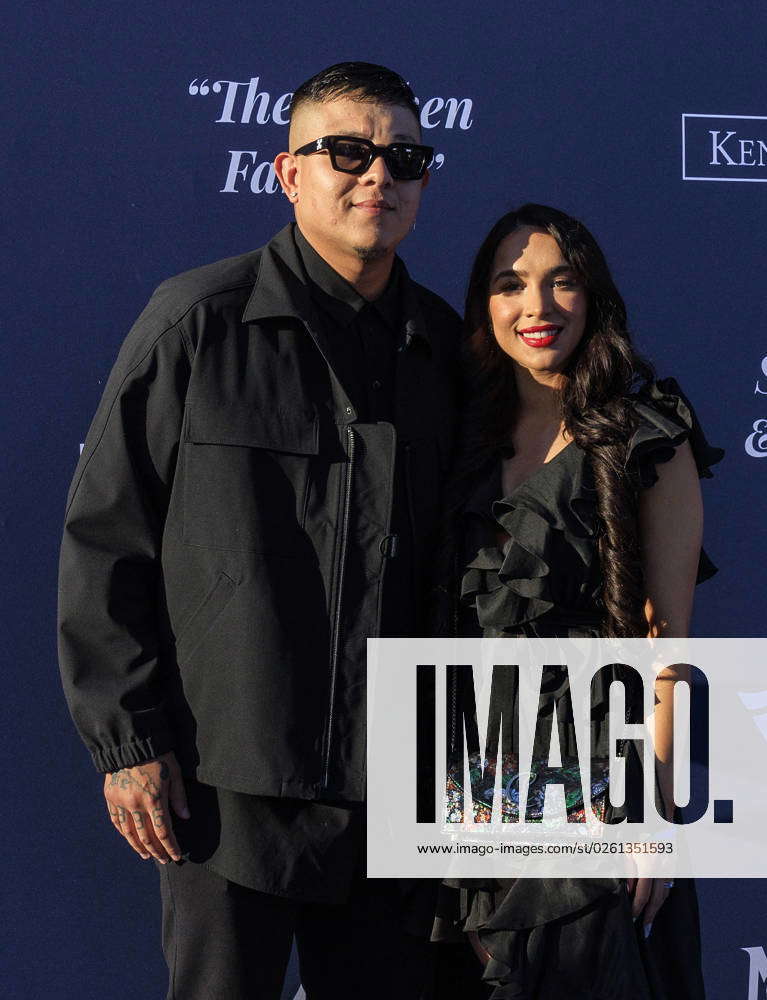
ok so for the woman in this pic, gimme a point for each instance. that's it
(574, 510)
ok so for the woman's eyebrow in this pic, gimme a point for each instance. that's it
(511, 272)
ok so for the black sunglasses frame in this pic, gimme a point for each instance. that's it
(327, 142)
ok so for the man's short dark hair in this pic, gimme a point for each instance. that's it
(366, 81)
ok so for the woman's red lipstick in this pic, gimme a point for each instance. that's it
(540, 336)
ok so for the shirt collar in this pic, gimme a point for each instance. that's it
(281, 288)
(335, 294)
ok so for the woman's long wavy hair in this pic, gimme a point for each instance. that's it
(603, 369)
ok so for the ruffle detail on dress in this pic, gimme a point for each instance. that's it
(516, 904)
(592, 936)
(550, 565)
(535, 902)
(550, 521)
(666, 419)
(503, 600)
(517, 921)
(601, 954)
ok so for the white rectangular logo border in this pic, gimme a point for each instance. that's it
(727, 180)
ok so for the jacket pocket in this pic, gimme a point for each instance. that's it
(246, 479)
(194, 628)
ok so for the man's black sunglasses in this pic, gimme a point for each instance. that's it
(405, 160)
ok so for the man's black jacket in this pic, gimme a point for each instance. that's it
(210, 522)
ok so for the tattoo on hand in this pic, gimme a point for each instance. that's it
(124, 779)
(149, 787)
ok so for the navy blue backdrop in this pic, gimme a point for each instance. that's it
(139, 147)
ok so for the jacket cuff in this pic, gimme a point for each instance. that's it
(107, 759)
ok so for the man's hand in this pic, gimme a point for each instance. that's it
(138, 800)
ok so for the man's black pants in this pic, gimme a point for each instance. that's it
(223, 941)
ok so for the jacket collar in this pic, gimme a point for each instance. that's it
(280, 291)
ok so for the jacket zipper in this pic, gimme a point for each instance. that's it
(392, 541)
(336, 645)
(454, 627)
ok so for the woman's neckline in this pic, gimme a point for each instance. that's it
(534, 473)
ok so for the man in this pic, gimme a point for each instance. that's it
(258, 494)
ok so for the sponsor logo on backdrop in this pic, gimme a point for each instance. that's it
(724, 147)
(761, 389)
(756, 442)
(248, 103)
(757, 973)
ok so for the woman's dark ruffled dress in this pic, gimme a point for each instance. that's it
(552, 939)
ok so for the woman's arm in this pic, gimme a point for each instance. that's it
(670, 529)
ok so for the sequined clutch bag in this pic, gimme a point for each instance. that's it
(533, 785)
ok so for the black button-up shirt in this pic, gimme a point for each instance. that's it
(363, 336)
